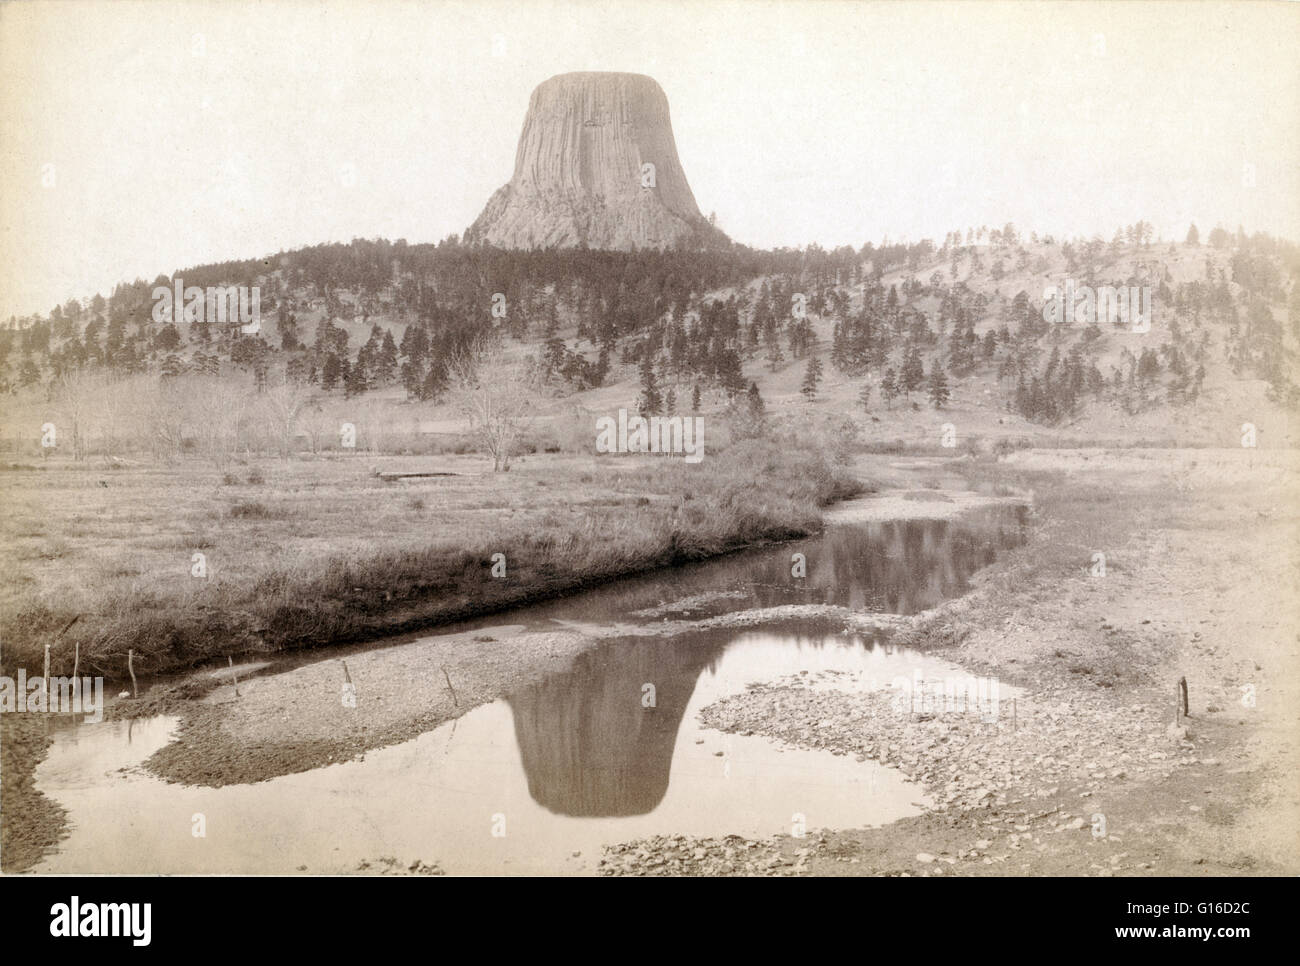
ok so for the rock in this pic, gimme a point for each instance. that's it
(925, 858)
(580, 172)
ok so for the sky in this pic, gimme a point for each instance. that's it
(137, 138)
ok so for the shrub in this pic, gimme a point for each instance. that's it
(252, 510)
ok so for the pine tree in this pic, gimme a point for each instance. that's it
(774, 354)
(889, 387)
(811, 377)
(864, 397)
(839, 349)
(756, 407)
(354, 382)
(331, 373)
(553, 357)
(730, 372)
(913, 374)
(938, 386)
(695, 398)
(989, 346)
(434, 383)
(650, 401)
(386, 360)
(551, 315)
(670, 401)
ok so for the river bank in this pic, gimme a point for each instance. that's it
(1087, 773)
(181, 565)
(301, 712)
(1092, 658)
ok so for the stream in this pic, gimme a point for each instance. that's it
(539, 781)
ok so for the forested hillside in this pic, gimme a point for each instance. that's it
(879, 332)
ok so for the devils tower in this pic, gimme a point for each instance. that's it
(596, 165)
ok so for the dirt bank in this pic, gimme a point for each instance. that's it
(1089, 776)
(1200, 581)
(32, 821)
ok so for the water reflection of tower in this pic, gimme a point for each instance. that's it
(588, 745)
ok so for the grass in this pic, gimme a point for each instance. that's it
(340, 556)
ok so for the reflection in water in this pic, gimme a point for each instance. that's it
(574, 762)
(896, 567)
(589, 744)
(591, 749)
(438, 796)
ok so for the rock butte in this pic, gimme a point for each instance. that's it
(579, 176)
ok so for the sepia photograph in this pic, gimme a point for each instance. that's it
(647, 438)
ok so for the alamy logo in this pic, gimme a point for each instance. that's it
(658, 434)
(1083, 305)
(72, 919)
(213, 304)
(59, 695)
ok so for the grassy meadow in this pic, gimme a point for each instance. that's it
(317, 550)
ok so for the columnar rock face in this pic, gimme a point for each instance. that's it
(583, 171)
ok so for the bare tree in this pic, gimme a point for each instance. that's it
(282, 404)
(317, 424)
(373, 420)
(165, 413)
(219, 405)
(74, 401)
(120, 409)
(497, 395)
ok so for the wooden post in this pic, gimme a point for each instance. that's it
(1014, 722)
(130, 666)
(231, 661)
(349, 689)
(76, 660)
(454, 701)
(46, 679)
(1180, 700)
